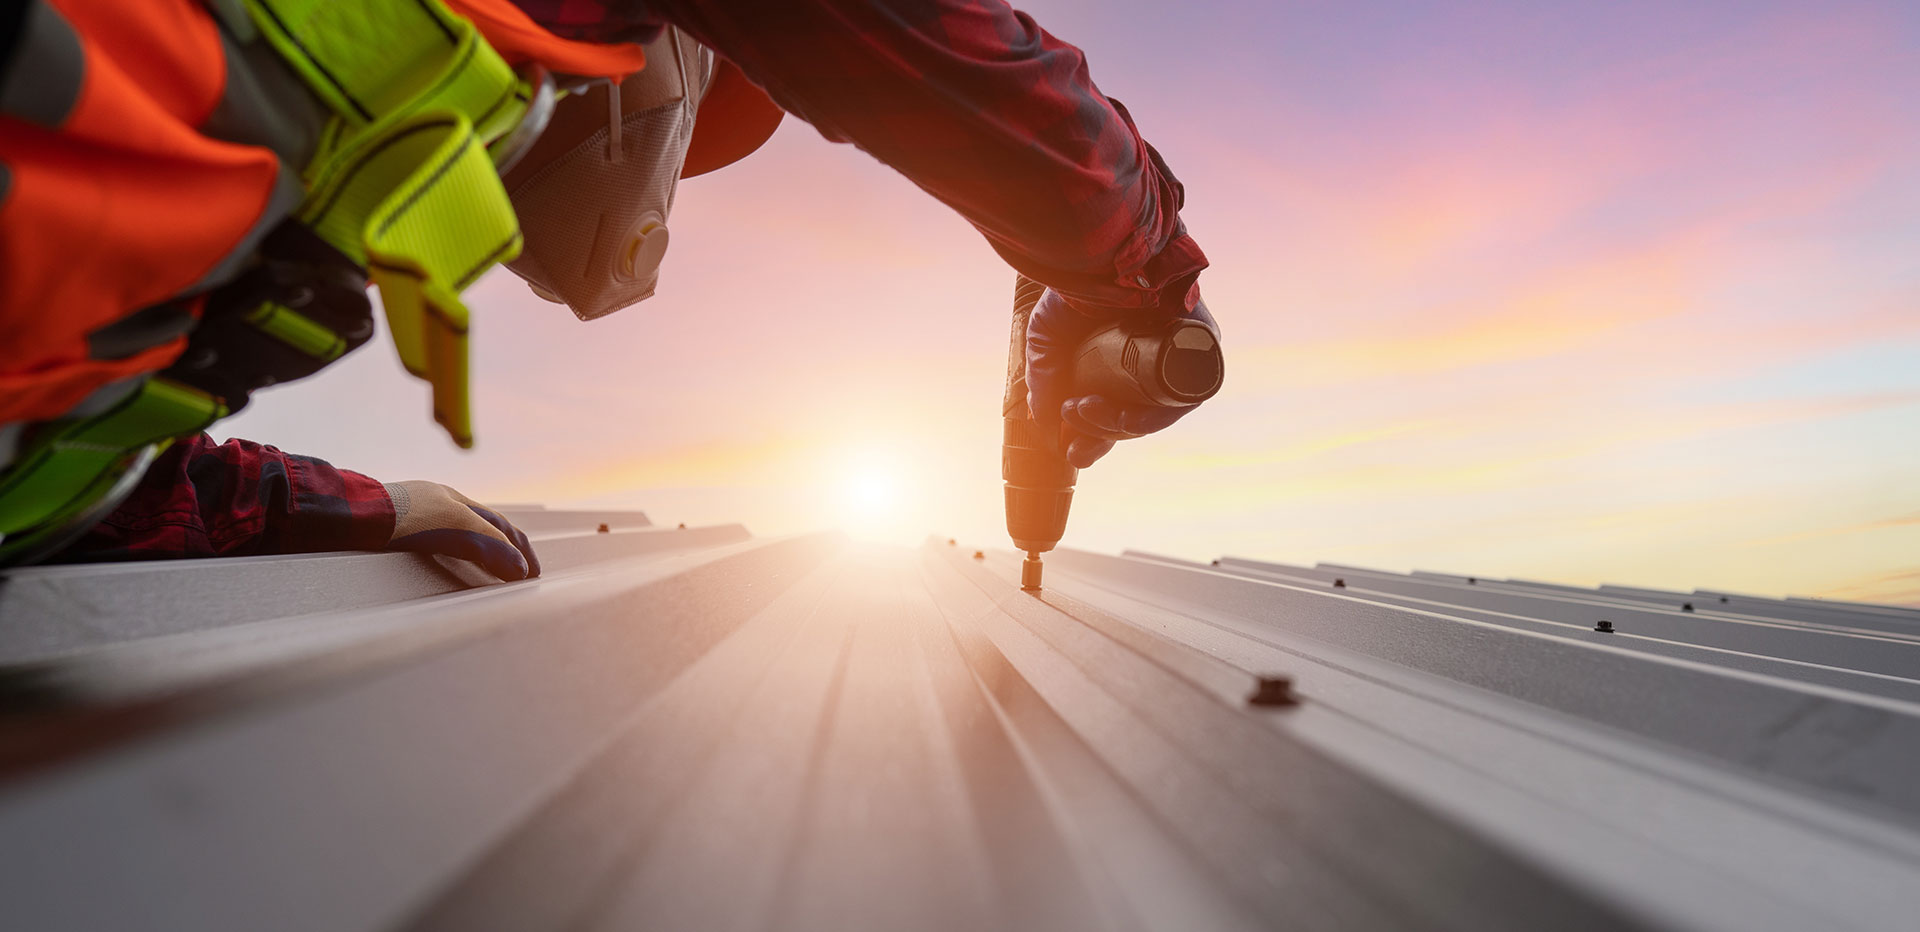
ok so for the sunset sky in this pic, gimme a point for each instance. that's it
(1623, 292)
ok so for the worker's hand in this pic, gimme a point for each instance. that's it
(1093, 424)
(431, 518)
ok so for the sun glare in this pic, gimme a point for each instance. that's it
(873, 492)
(875, 501)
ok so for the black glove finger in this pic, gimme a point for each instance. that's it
(518, 537)
(1084, 451)
(1098, 417)
(495, 556)
(1054, 331)
(1143, 421)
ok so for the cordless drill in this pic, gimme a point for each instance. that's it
(1169, 363)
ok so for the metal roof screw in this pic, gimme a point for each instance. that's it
(682, 527)
(1339, 584)
(950, 542)
(1473, 580)
(1723, 600)
(1215, 563)
(1687, 607)
(979, 555)
(1273, 690)
(1604, 627)
(604, 529)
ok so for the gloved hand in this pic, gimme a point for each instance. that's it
(431, 518)
(1093, 424)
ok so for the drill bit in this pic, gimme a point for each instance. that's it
(1030, 572)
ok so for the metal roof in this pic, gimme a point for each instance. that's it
(693, 728)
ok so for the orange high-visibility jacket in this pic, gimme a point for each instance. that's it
(144, 152)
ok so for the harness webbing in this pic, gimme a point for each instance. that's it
(404, 184)
(71, 466)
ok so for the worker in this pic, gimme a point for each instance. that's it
(194, 199)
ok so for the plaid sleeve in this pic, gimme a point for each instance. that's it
(976, 104)
(202, 499)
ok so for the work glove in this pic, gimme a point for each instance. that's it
(1092, 424)
(431, 518)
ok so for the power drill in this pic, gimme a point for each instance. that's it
(1169, 363)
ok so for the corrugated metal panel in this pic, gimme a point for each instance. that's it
(692, 729)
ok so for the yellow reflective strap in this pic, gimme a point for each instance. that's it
(436, 231)
(403, 184)
(297, 330)
(65, 460)
(366, 58)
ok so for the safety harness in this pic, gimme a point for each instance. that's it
(405, 185)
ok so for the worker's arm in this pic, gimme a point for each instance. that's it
(979, 106)
(239, 498)
(973, 102)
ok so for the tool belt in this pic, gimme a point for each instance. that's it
(403, 191)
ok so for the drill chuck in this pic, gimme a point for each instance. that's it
(1040, 481)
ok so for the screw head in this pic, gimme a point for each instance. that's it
(1339, 584)
(604, 529)
(1473, 580)
(950, 542)
(1604, 627)
(1687, 607)
(682, 527)
(1273, 690)
(979, 555)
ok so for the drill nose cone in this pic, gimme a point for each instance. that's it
(1030, 572)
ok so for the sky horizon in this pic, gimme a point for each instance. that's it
(1582, 295)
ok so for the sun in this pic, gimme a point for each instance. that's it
(874, 499)
(872, 492)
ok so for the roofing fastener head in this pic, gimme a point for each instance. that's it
(1723, 600)
(950, 542)
(1686, 607)
(1473, 580)
(1339, 584)
(1273, 690)
(604, 529)
(1604, 627)
(979, 555)
(682, 527)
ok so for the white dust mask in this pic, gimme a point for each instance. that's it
(594, 219)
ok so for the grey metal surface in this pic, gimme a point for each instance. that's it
(51, 610)
(537, 520)
(705, 731)
(1844, 735)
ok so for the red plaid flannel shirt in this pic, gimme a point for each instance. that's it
(202, 499)
(972, 101)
